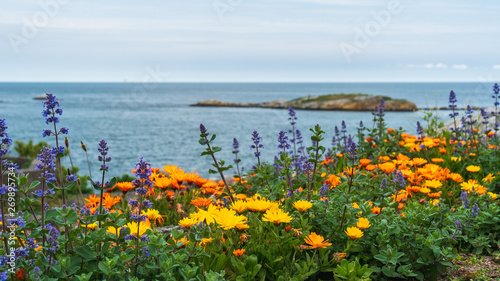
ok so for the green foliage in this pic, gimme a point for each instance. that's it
(352, 271)
(28, 149)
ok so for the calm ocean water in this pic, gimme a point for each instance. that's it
(155, 121)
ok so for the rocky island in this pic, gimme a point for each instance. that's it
(348, 102)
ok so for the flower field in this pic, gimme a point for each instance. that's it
(383, 204)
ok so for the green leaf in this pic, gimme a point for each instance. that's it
(86, 252)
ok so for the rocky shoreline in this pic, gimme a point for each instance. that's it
(347, 102)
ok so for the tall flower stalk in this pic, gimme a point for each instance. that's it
(317, 152)
(236, 160)
(256, 145)
(50, 113)
(48, 168)
(452, 104)
(352, 154)
(143, 173)
(211, 151)
(103, 150)
(4, 143)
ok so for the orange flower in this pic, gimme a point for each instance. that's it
(333, 180)
(20, 274)
(317, 241)
(434, 195)
(109, 201)
(364, 162)
(438, 160)
(387, 167)
(93, 201)
(202, 202)
(370, 167)
(376, 210)
(384, 158)
(124, 186)
(239, 252)
(490, 134)
(419, 161)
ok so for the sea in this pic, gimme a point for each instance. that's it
(156, 121)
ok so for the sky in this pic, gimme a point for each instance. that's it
(249, 41)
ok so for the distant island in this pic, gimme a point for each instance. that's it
(348, 102)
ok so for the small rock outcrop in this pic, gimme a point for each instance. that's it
(348, 102)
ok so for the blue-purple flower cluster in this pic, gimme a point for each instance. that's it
(47, 165)
(143, 172)
(256, 143)
(52, 109)
(103, 150)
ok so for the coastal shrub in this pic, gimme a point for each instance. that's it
(382, 205)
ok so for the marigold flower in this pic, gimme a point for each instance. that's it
(370, 167)
(354, 232)
(188, 222)
(239, 206)
(276, 217)
(425, 190)
(204, 242)
(363, 223)
(473, 168)
(227, 219)
(259, 205)
(302, 205)
(456, 177)
(433, 183)
(202, 202)
(437, 160)
(333, 180)
(364, 161)
(124, 186)
(239, 252)
(242, 227)
(92, 226)
(143, 226)
(456, 159)
(316, 241)
(489, 178)
(376, 210)
(339, 257)
(153, 215)
(387, 167)
(183, 240)
(419, 161)
(208, 215)
(493, 195)
(434, 195)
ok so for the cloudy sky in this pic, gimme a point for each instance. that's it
(250, 40)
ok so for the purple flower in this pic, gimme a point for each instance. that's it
(452, 100)
(236, 145)
(465, 200)
(147, 204)
(256, 143)
(46, 157)
(292, 117)
(64, 130)
(203, 130)
(129, 237)
(475, 210)
(133, 203)
(143, 172)
(283, 142)
(5, 140)
(71, 178)
(352, 149)
(383, 183)
(144, 238)
(138, 218)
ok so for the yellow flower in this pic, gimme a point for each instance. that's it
(363, 223)
(455, 159)
(239, 206)
(354, 232)
(473, 168)
(208, 216)
(153, 215)
(493, 195)
(227, 219)
(276, 216)
(259, 205)
(433, 183)
(489, 178)
(302, 205)
(204, 242)
(202, 202)
(92, 226)
(183, 240)
(316, 241)
(188, 222)
(143, 226)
